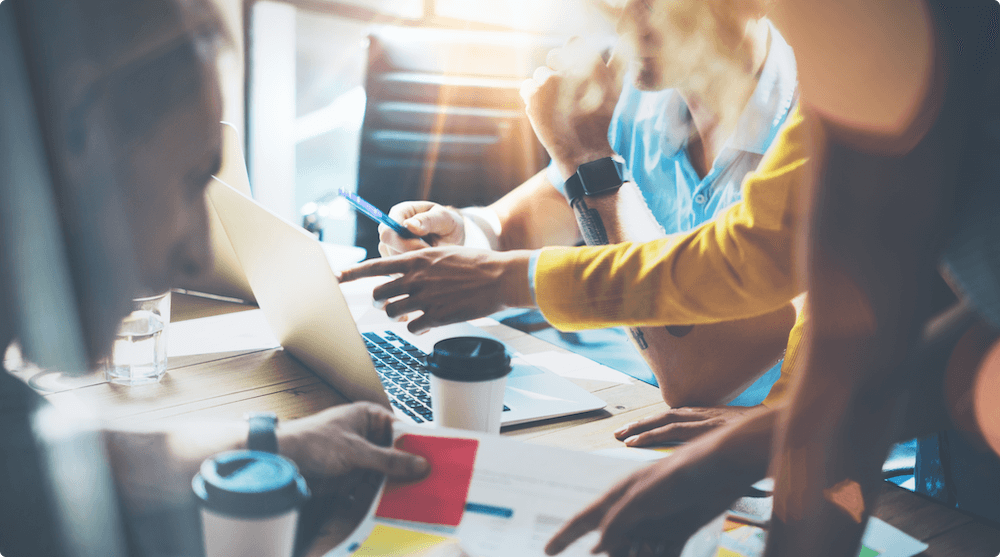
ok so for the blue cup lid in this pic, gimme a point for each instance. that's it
(249, 484)
(469, 359)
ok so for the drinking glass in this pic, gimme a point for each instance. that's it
(140, 350)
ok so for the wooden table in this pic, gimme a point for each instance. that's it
(225, 386)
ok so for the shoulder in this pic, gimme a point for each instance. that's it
(790, 148)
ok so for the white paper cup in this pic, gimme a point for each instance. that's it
(468, 377)
(250, 504)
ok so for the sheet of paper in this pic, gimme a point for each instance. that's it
(392, 541)
(637, 454)
(520, 494)
(440, 497)
(884, 540)
(232, 332)
(880, 540)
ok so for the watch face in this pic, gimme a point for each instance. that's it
(600, 176)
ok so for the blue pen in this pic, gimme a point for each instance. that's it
(373, 212)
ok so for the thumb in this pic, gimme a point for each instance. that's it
(394, 463)
(617, 66)
(438, 221)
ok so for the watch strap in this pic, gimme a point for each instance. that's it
(262, 434)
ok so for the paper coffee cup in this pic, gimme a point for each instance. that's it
(468, 378)
(250, 504)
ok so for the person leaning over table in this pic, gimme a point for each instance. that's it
(740, 264)
(906, 181)
(690, 125)
(140, 111)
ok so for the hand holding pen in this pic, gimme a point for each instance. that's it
(373, 212)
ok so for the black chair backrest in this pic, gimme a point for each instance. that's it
(444, 119)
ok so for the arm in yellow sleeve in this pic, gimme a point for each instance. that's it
(782, 388)
(737, 266)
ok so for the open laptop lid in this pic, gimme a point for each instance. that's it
(310, 318)
(225, 277)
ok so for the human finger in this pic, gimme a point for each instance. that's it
(586, 520)
(394, 463)
(542, 74)
(670, 416)
(385, 250)
(555, 58)
(383, 293)
(438, 221)
(374, 268)
(408, 209)
(654, 512)
(395, 243)
(402, 307)
(428, 321)
(618, 65)
(620, 520)
(674, 433)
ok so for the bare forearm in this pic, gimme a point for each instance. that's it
(711, 364)
(535, 215)
(872, 270)
(153, 465)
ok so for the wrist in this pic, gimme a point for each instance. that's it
(516, 287)
(567, 165)
(289, 440)
(744, 449)
(481, 228)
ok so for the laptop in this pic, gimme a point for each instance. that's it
(301, 298)
(225, 276)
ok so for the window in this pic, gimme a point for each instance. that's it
(306, 70)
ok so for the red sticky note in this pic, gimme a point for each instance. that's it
(440, 497)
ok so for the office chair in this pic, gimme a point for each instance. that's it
(444, 120)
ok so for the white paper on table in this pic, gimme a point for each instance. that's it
(231, 332)
(890, 541)
(358, 295)
(539, 487)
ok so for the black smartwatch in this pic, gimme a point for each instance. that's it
(262, 436)
(595, 178)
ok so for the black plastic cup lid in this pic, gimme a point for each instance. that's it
(469, 359)
(249, 484)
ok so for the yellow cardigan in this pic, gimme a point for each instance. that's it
(736, 266)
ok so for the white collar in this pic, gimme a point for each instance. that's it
(770, 101)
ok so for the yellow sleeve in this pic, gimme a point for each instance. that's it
(737, 266)
(781, 389)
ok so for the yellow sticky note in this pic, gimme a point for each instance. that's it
(389, 541)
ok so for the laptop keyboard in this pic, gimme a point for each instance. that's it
(400, 366)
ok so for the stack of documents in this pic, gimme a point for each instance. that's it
(488, 496)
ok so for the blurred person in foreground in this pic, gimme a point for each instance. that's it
(904, 189)
(127, 96)
(709, 86)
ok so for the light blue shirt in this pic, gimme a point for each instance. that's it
(650, 131)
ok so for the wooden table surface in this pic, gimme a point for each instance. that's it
(226, 385)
